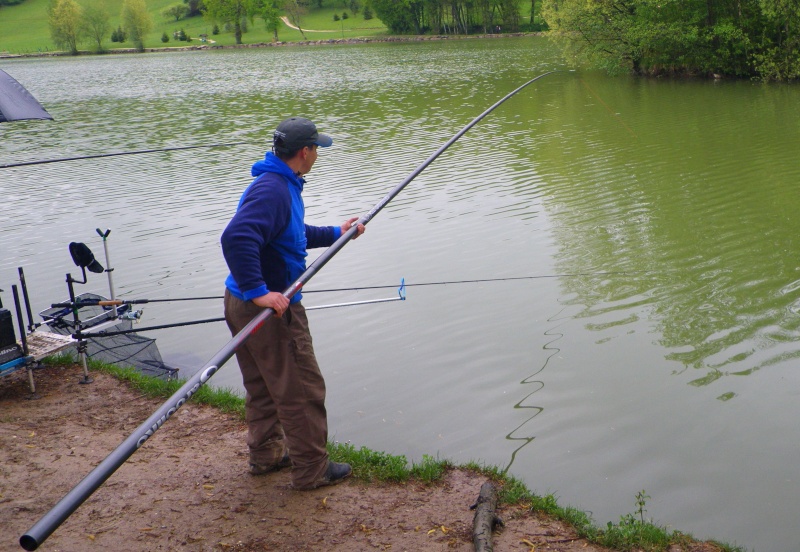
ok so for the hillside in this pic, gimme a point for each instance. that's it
(24, 28)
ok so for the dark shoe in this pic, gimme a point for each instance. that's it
(336, 473)
(261, 469)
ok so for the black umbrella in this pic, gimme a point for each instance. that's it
(16, 103)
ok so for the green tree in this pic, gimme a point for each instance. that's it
(65, 20)
(233, 13)
(745, 38)
(400, 16)
(295, 10)
(196, 7)
(96, 24)
(176, 11)
(136, 21)
(779, 55)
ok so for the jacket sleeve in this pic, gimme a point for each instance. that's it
(262, 215)
(321, 236)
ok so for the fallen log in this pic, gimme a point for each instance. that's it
(485, 520)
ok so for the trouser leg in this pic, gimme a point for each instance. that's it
(265, 436)
(284, 355)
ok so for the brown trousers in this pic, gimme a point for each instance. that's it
(285, 391)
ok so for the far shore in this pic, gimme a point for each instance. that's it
(322, 42)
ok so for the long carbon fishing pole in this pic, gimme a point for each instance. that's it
(116, 154)
(74, 498)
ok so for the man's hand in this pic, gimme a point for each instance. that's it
(349, 224)
(273, 300)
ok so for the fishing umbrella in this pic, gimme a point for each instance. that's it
(16, 103)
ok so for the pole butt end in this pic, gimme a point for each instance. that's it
(28, 542)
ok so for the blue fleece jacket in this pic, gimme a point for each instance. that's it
(265, 242)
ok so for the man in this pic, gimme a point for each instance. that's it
(265, 248)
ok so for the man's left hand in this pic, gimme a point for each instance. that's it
(349, 224)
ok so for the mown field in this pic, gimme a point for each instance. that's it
(24, 28)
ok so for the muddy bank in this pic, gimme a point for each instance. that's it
(188, 488)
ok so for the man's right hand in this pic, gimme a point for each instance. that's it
(273, 300)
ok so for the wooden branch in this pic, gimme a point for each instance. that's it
(485, 518)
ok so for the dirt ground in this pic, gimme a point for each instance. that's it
(188, 488)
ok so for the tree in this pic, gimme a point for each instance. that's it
(272, 18)
(296, 9)
(136, 21)
(779, 58)
(233, 12)
(400, 16)
(96, 23)
(176, 11)
(196, 7)
(744, 38)
(64, 17)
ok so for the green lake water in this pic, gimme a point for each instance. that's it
(654, 347)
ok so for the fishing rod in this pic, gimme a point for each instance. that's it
(401, 296)
(107, 303)
(116, 154)
(84, 489)
(78, 303)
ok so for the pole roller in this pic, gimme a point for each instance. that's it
(43, 528)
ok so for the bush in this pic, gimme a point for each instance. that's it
(367, 13)
(336, 17)
(118, 35)
(164, 37)
(215, 29)
(344, 15)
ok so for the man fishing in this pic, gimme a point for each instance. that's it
(265, 246)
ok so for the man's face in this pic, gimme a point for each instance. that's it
(311, 157)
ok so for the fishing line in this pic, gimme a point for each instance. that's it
(482, 280)
(613, 113)
(117, 154)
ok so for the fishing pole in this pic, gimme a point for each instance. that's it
(401, 296)
(78, 303)
(116, 154)
(108, 303)
(84, 489)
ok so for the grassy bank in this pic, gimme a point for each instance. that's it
(24, 28)
(633, 531)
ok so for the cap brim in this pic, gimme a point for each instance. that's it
(323, 140)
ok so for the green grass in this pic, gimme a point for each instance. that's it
(633, 532)
(24, 28)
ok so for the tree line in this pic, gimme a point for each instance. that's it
(72, 23)
(452, 16)
(743, 38)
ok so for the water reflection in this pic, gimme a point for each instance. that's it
(656, 195)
